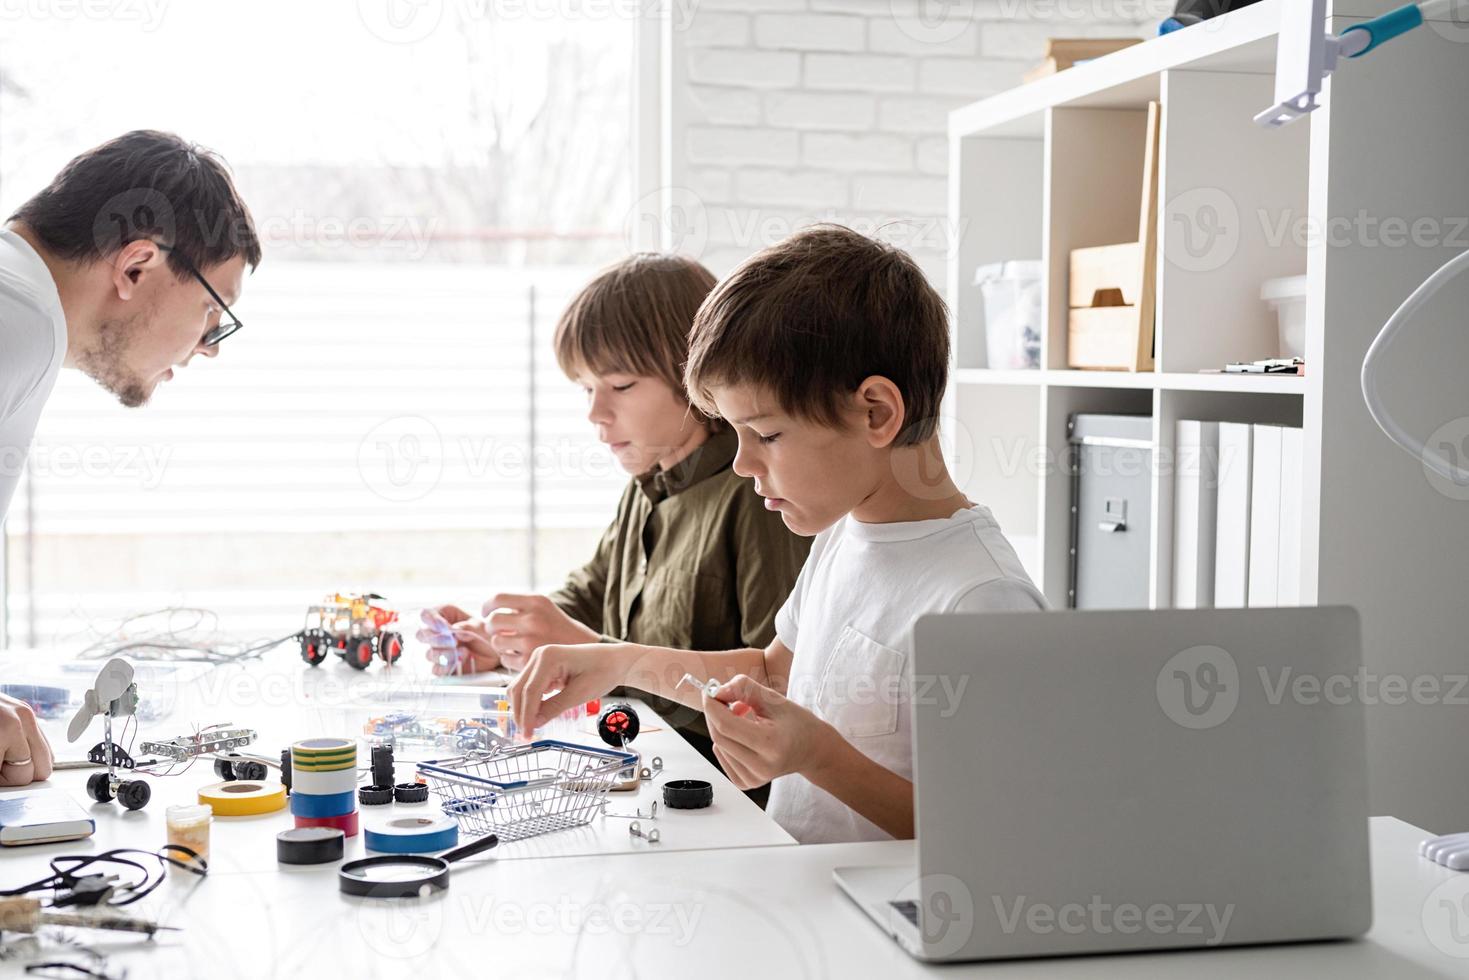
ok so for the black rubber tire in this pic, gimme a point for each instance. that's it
(99, 787)
(134, 793)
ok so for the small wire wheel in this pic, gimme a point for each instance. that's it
(618, 724)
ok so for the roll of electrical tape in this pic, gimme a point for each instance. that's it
(346, 823)
(310, 845)
(316, 782)
(329, 805)
(324, 754)
(240, 798)
(413, 835)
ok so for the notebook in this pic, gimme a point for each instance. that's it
(42, 817)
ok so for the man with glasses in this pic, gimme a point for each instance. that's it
(124, 268)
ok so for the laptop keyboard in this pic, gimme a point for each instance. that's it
(909, 911)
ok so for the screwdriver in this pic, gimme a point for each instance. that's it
(26, 915)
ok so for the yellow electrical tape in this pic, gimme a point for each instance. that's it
(327, 746)
(334, 767)
(239, 798)
(336, 762)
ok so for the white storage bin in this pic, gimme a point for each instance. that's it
(1012, 313)
(1287, 297)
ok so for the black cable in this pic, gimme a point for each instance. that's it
(65, 876)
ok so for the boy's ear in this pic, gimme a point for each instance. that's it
(881, 404)
(132, 263)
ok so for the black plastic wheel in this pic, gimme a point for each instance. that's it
(313, 648)
(134, 794)
(618, 724)
(99, 787)
(390, 647)
(250, 770)
(361, 654)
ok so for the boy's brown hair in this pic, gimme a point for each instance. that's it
(634, 318)
(810, 318)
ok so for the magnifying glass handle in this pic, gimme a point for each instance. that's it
(474, 847)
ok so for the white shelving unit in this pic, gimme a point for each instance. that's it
(1057, 165)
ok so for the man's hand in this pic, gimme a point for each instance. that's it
(579, 673)
(759, 734)
(518, 624)
(24, 750)
(457, 642)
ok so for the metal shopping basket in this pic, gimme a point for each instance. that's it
(525, 790)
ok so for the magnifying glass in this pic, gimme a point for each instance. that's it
(405, 875)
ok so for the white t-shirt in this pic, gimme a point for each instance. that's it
(32, 347)
(849, 623)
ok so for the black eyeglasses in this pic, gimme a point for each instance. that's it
(228, 324)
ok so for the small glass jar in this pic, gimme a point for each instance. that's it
(188, 826)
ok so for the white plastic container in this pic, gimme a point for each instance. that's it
(1287, 297)
(1012, 313)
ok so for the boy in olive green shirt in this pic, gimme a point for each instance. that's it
(692, 558)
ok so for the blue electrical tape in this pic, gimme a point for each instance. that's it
(326, 805)
(412, 835)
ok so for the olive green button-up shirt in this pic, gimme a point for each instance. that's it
(692, 560)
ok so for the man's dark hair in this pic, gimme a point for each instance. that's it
(808, 319)
(144, 184)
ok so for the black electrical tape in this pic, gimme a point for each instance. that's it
(310, 845)
(374, 795)
(382, 765)
(687, 794)
(410, 792)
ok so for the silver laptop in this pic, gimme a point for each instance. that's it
(1104, 781)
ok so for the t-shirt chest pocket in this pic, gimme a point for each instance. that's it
(862, 689)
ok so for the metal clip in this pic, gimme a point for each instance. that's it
(636, 829)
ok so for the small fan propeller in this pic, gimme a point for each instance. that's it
(113, 680)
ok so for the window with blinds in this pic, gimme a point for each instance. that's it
(391, 418)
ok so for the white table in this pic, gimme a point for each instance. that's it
(758, 912)
(284, 700)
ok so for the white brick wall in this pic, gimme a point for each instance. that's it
(793, 111)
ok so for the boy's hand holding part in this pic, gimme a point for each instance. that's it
(514, 624)
(760, 734)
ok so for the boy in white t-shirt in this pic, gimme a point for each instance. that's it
(829, 354)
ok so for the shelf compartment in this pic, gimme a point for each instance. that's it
(997, 189)
(1232, 204)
